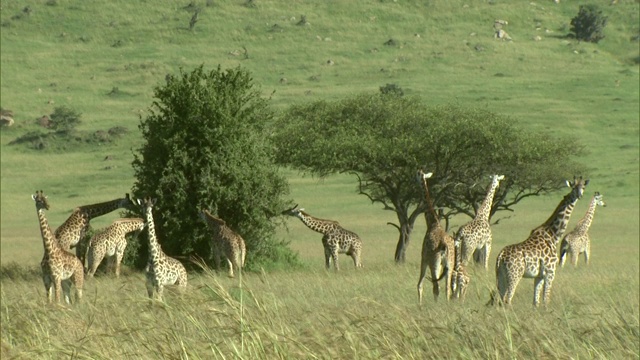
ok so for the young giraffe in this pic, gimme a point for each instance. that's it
(438, 251)
(58, 266)
(111, 242)
(476, 234)
(162, 270)
(225, 242)
(460, 278)
(73, 230)
(335, 239)
(537, 256)
(577, 241)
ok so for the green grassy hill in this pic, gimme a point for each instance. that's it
(103, 58)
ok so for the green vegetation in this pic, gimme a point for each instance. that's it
(384, 139)
(589, 24)
(104, 58)
(204, 149)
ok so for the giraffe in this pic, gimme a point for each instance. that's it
(72, 232)
(438, 252)
(59, 267)
(162, 270)
(537, 256)
(476, 234)
(111, 242)
(335, 239)
(459, 278)
(577, 241)
(225, 242)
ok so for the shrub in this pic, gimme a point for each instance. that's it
(589, 24)
(391, 89)
(64, 119)
(204, 147)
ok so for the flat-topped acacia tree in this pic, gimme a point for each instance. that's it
(384, 138)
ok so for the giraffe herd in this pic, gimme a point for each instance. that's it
(446, 257)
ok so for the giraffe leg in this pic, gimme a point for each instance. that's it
(216, 259)
(95, 258)
(487, 252)
(538, 284)
(182, 282)
(435, 274)
(334, 257)
(231, 266)
(58, 288)
(78, 280)
(447, 287)
(423, 275)
(159, 291)
(574, 257)
(563, 256)
(327, 257)
(548, 281)
(355, 254)
(119, 256)
(587, 253)
(150, 286)
(48, 287)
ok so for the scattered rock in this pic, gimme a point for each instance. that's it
(502, 35)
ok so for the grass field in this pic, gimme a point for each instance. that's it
(103, 58)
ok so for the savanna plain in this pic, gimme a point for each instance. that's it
(103, 59)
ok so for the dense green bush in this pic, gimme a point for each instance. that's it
(204, 147)
(589, 24)
(64, 119)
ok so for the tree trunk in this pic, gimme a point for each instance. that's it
(403, 242)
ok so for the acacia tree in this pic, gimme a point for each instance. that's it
(383, 139)
(204, 148)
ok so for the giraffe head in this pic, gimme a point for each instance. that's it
(598, 199)
(206, 215)
(127, 202)
(294, 211)
(41, 200)
(577, 187)
(422, 176)
(497, 178)
(146, 204)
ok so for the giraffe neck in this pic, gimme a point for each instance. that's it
(128, 225)
(103, 208)
(557, 223)
(155, 252)
(430, 216)
(320, 225)
(213, 223)
(50, 245)
(484, 211)
(585, 222)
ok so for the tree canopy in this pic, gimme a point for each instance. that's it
(383, 139)
(204, 148)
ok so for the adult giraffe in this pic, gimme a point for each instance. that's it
(476, 234)
(537, 256)
(438, 250)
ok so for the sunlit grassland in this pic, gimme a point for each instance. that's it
(79, 53)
